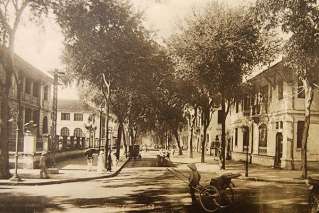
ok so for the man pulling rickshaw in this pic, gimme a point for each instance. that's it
(213, 197)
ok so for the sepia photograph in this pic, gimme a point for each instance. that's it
(159, 106)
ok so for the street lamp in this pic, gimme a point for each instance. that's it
(244, 128)
(100, 138)
(56, 75)
(15, 176)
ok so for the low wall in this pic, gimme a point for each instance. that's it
(257, 159)
(31, 161)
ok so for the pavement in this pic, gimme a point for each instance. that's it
(144, 186)
(255, 172)
(71, 170)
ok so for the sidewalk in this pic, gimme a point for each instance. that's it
(73, 170)
(255, 172)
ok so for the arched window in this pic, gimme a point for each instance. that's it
(65, 132)
(78, 132)
(45, 125)
(263, 135)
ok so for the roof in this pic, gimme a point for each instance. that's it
(31, 71)
(276, 70)
(73, 106)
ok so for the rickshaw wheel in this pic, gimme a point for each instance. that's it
(209, 198)
(227, 196)
(314, 203)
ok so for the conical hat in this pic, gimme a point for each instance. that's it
(192, 166)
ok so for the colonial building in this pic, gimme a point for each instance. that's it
(36, 106)
(268, 123)
(77, 122)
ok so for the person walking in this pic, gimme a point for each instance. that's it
(89, 156)
(43, 166)
(194, 178)
(109, 163)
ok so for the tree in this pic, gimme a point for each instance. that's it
(299, 19)
(106, 45)
(219, 47)
(11, 13)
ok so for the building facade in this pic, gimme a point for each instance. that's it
(36, 106)
(79, 125)
(268, 123)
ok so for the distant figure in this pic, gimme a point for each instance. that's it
(100, 162)
(194, 179)
(115, 158)
(89, 156)
(109, 163)
(43, 166)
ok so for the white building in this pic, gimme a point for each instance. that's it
(270, 121)
(77, 122)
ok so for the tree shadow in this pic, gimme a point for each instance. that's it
(23, 203)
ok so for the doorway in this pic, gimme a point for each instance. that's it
(278, 155)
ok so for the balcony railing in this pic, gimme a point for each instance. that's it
(262, 150)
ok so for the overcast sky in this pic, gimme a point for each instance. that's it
(42, 46)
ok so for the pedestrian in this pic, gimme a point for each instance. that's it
(89, 157)
(109, 163)
(100, 162)
(43, 165)
(194, 179)
(116, 159)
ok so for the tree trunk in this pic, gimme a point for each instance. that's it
(4, 119)
(204, 144)
(191, 143)
(118, 140)
(223, 139)
(106, 147)
(191, 133)
(124, 141)
(180, 150)
(308, 102)
(4, 123)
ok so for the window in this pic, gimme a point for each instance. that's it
(263, 135)
(36, 117)
(237, 106)
(78, 116)
(264, 94)
(36, 89)
(46, 93)
(246, 104)
(27, 115)
(219, 116)
(280, 90)
(28, 85)
(300, 90)
(245, 137)
(236, 136)
(65, 132)
(300, 126)
(65, 116)
(45, 125)
(78, 132)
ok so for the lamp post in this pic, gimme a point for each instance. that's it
(247, 145)
(15, 176)
(56, 75)
(100, 138)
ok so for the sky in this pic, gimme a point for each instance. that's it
(42, 45)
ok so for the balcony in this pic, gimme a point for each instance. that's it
(262, 150)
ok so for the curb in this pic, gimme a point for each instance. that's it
(292, 181)
(66, 180)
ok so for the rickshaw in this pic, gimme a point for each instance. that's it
(313, 182)
(218, 194)
(134, 152)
